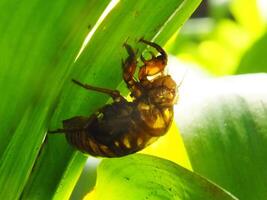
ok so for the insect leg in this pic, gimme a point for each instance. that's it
(155, 64)
(115, 94)
(129, 67)
(62, 130)
(156, 46)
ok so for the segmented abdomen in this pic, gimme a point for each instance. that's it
(118, 129)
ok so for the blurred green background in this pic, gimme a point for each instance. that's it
(224, 37)
(216, 145)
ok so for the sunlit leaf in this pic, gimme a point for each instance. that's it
(147, 177)
(39, 43)
(39, 40)
(254, 59)
(170, 147)
(223, 124)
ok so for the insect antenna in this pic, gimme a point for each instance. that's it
(182, 80)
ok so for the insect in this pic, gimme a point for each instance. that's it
(125, 127)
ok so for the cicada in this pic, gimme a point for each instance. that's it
(125, 127)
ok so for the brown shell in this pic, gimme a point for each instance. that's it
(118, 129)
(123, 127)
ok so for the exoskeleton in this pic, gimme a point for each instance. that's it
(125, 127)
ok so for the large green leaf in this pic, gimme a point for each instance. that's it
(223, 124)
(39, 40)
(102, 58)
(146, 177)
(38, 45)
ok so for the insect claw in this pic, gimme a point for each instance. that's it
(77, 82)
(122, 62)
(143, 59)
(56, 131)
(152, 54)
(129, 50)
(156, 46)
(126, 41)
(141, 39)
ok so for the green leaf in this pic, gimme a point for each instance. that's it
(223, 124)
(141, 176)
(254, 59)
(39, 40)
(102, 58)
(38, 46)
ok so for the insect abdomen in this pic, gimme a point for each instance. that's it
(117, 130)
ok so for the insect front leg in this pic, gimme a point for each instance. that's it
(129, 67)
(156, 46)
(155, 64)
